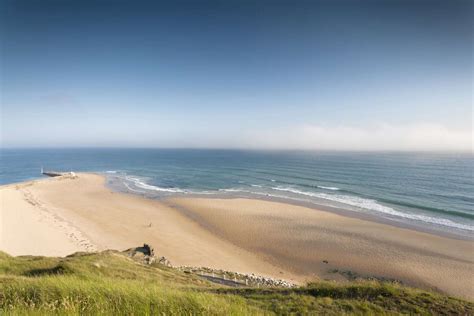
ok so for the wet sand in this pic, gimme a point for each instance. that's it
(58, 216)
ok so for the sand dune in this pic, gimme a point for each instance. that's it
(58, 216)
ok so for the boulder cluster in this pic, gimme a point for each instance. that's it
(235, 278)
(266, 281)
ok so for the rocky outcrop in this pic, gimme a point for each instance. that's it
(147, 255)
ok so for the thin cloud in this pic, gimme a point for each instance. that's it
(375, 137)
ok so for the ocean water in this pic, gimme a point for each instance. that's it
(431, 190)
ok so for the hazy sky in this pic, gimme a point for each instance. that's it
(238, 74)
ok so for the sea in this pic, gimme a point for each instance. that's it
(432, 191)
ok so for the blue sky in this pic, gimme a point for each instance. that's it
(361, 75)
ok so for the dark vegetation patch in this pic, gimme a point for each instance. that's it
(56, 270)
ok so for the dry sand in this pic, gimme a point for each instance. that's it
(102, 219)
(58, 216)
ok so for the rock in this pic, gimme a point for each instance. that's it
(164, 261)
(146, 254)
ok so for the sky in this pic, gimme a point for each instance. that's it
(323, 75)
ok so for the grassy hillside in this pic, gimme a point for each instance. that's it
(112, 283)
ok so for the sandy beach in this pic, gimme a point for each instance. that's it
(58, 216)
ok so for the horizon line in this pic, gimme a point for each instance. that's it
(245, 149)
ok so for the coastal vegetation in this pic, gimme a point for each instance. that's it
(113, 283)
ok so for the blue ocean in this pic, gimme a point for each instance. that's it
(430, 190)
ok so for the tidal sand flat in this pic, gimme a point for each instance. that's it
(252, 236)
(320, 244)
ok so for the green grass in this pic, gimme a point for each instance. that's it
(110, 283)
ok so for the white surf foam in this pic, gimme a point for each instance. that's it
(372, 205)
(233, 190)
(132, 189)
(139, 183)
(328, 188)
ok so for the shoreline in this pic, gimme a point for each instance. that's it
(372, 217)
(292, 201)
(270, 238)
